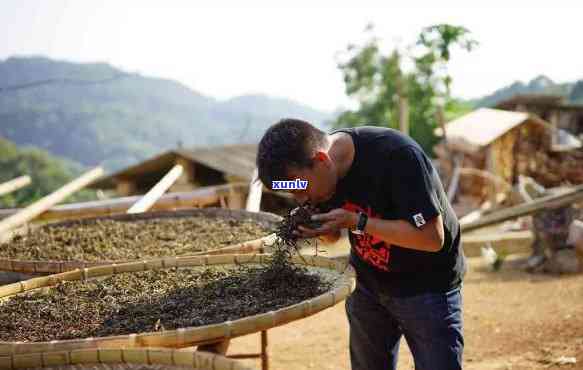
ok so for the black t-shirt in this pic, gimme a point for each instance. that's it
(391, 178)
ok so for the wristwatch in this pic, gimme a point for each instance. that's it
(361, 223)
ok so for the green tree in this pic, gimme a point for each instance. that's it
(376, 81)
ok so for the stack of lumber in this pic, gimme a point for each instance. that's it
(550, 169)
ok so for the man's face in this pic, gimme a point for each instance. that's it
(321, 179)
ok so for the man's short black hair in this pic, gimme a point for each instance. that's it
(290, 143)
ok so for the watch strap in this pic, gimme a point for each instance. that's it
(361, 223)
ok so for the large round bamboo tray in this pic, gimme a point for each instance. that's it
(186, 337)
(52, 267)
(121, 359)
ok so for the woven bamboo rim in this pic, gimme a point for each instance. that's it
(55, 267)
(184, 337)
(143, 356)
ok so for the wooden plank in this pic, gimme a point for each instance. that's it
(148, 200)
(14, 184)
(513, 242)
(29, 213)
(569, 197)
(255, 190)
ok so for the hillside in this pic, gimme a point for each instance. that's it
(47, 173)
(95, 113)
(539, 85)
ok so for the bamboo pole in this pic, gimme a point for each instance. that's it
(572, 196)
(35, 209)
(201, 197)
(14, 184)
(152, 196)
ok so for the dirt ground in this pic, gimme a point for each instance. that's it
(513, 320)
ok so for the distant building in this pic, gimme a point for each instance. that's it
(551, 108)
(495, 147)
(202, 167)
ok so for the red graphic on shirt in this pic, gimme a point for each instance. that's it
(369, 248)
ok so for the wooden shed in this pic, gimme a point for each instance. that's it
(202, 167)
(503, 145)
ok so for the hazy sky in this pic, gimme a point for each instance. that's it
(222, 49)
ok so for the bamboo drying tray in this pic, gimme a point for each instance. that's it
(184, 337)
(52, 267)
(121, 358)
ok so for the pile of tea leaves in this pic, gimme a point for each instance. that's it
(109, 240)
(153, 301)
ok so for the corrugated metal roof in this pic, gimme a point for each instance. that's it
(483, 126)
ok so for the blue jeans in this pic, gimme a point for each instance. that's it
(431, 324)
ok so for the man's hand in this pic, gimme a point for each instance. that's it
(332, 222)
(330, 238)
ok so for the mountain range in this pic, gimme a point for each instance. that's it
(98, 114)
(572, 91)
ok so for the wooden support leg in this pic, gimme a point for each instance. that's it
(264, 357)
(223, 201)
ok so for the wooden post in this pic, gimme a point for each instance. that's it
(453, 184)
(156, 192)
(255, 190)
(404, 115)
(13, 185)
(235, 200)
(264, 355)
(253, 205)
(126, 187)
(35, 209)
(440, 116)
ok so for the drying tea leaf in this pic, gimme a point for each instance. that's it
(111, 240)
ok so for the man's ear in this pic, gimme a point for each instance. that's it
(321, 156)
